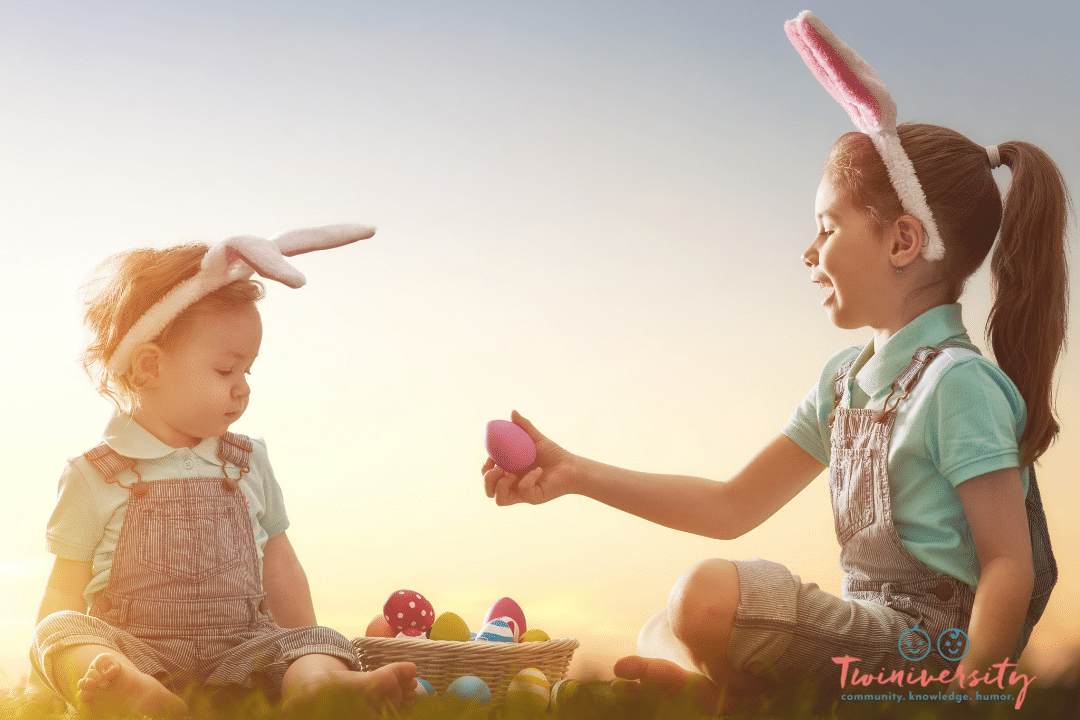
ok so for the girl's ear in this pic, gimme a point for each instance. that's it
(145, 365)
(906, 237)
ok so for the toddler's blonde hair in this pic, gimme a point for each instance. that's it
(124, 287)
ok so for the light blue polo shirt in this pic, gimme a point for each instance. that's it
(963, 419)
(89, 512)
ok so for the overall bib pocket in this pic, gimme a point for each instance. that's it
(852, 501)
(190, 545)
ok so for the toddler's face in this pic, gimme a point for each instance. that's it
(202, 385)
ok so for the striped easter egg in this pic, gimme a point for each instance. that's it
(498, 630)
(573, 696)
(530, 686)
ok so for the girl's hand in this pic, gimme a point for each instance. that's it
(553, 474)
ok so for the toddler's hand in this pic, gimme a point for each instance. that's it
(552, 474)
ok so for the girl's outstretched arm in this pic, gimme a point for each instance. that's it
(721, 510)
(286, 585)
(994, 507)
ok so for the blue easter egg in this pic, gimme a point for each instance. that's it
(468, 690)
(424, 688)
(496, 631)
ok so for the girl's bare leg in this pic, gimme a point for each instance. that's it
(106, 683)
(692, 633)
(393, 684)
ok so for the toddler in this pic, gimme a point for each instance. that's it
(173, 571)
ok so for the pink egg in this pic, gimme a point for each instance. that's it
(506, 607)
(509, 446)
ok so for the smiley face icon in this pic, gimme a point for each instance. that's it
(914, 644)
(952, 644)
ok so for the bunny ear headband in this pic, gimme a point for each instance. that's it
(232, 259)
(859, 90)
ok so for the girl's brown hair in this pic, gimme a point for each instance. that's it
(1027, 322)
(126, 285)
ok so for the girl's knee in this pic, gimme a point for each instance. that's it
(702, 604)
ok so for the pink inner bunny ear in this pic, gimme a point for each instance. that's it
(847, 77)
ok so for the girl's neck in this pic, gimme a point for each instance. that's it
(905, 314)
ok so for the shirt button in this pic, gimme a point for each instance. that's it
(188, 464)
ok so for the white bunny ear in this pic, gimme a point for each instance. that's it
(234, 258)
(303, 240)
(262, 256)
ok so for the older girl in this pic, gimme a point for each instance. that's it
(930, 446)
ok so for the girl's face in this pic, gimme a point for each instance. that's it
(849, 259)
(201, 387)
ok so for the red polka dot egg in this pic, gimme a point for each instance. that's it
(408, 610)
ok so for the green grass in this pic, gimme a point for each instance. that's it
(789, 703)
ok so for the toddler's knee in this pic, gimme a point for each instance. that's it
(702, 603)
(58, 624)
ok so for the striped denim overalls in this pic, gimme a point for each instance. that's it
(895, 613)
(184, 601)
(877, 565)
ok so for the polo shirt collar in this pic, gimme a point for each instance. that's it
(876, 371)
(132, 440)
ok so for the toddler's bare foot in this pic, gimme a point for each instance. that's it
(393, 684)
(636, 673)
(111, 687)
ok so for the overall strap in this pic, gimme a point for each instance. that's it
(111, 463)
(108, 462)
(236, 449)
(838, 388)
(907, 379)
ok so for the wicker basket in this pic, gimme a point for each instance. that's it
(440, 662)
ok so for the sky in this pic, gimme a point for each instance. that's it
(591, 212)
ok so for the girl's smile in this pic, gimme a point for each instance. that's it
(849, 260)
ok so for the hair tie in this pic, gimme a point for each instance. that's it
(994, 155)
(234, 258)
(855, 85)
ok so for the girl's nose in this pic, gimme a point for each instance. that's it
(809, 256)
(241, 388)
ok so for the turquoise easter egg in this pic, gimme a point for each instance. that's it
(468, 691)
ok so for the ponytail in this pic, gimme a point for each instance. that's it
(1026, 326)
(1029, 269)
